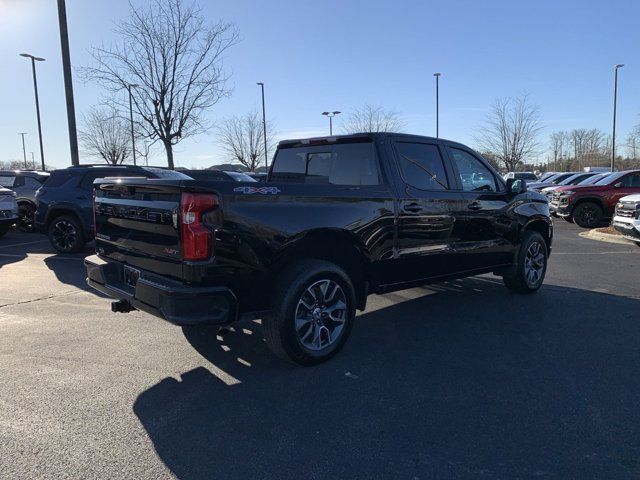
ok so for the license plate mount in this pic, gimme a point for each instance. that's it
(131, 276)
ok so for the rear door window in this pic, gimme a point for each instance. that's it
(334, 164)
(421, 165)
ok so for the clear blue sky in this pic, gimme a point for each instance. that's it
(338, 54)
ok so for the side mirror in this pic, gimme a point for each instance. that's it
(516, 186)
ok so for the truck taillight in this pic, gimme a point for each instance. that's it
(197, 239)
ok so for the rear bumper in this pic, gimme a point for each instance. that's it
(173, 301)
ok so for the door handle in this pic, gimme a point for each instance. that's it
(475, 206)
(412, 208)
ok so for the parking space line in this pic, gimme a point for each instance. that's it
(24, 243)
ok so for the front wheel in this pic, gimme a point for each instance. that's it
(313, 313)
(587, 215)
(530, 265)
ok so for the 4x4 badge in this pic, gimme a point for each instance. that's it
(262, 190)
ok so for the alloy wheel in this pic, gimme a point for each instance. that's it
(320, 315)
(534, 264)
(64, 234)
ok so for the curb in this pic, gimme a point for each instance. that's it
(605, 237)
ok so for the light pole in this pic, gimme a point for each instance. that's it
(133, 138)
(615, 100)
(331, 115)
(68, 82)
(264, 127)
(35, 89)
(437, 75)
(24, 152)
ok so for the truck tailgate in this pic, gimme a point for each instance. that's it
(137, 223)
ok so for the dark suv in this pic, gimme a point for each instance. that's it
(25, 183)
(65, 201)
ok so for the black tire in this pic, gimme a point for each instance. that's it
(568, 219)
(26, 217)
(587, 214)
(3, 230)
(516, 277)
(291, 294)
(65, 234)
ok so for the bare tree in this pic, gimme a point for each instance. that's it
(242, 139)
(105, 134)
(559, 144)
(633, 143)
(175, 61)
(373, 119)
(511, 131)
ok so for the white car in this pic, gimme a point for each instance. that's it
(8, 210)
(627, 217)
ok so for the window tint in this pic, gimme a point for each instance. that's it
(474, 175)
(59, 177)
(32, 183)
(421, 166)
(632, 180)
(7, 181)
(338, 164)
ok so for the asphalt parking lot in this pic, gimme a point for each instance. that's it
(458, 380)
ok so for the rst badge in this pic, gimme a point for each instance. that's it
(262, 190)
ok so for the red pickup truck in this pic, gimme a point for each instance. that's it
(589, 205)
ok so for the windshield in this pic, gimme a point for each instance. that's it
(592, 179)
(526, 176)
(546, 176)
(240, 177)
(612, 177)
(6, 181)
(167, 174)
(561, 177)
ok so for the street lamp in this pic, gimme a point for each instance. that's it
(437, 75)
(35, 89)
(24, 152)
(615, 100)
(264, 127)
(331, 115)
(133, 138)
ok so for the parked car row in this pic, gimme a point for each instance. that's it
(60, 204)
(588, 205)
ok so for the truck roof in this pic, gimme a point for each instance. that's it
(355, 137)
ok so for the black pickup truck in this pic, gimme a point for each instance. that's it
(338, 219)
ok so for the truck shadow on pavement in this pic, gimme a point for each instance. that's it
(468, 382)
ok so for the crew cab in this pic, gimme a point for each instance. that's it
(338, 219)
(627, 217)
(589, 205)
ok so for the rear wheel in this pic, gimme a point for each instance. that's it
(587, 214)
(530, 266)
(313, 313)
(65, 234)
(26, 217)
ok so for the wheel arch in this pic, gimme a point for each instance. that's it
(337, 246)
(544, 227)
(596, 200)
